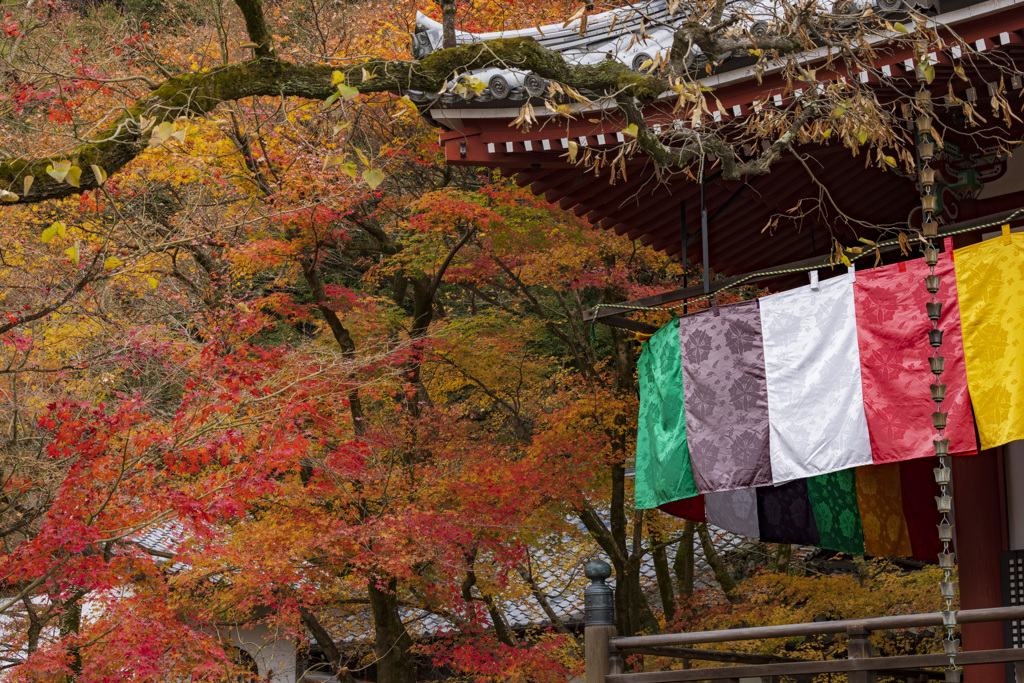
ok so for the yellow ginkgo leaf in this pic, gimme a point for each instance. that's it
(153, 282)
(573, 149)
(332, 160)
(631, 130)
(59, 170)
(163, 131)
(49, 233)
(337, 77)
(373, 178)
(73, 176)
(72, 253)
(112, 262)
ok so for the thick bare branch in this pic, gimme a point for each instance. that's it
(256, 26)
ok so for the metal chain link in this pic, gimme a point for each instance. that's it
(929, 233)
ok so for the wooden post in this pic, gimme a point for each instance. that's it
(597, 653)
(599, 618)
(859, 647)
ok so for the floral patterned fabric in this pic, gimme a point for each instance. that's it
(892, 331)
(663, 471)
(784, 514)
(726, 398)
(833, 499)
(990, 282)
(880, 499)
(734, 511)
(687, 508)
(812, 368)
(918, 489)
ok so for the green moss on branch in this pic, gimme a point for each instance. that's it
(199, 94)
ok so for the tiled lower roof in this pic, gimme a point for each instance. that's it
(557, 570)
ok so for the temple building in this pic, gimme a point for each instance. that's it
(774, 228)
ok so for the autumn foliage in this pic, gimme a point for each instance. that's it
(337, 378)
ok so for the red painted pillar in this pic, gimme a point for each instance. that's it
(980, 537)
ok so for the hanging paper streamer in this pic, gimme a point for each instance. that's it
(990, 284)
(734, 511)
(726, 397)
(892, 331)
(812, 366)
(663, 472)
(833, 499)
(784, 514)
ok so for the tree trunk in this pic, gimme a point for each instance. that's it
(448, 9)
(323, 639)
(684, 559)
(780, 560)
(633, 611)
(722, 576)
(422, 316)
(661, 570)
(394, 661)
(70, 623)
(617, 523)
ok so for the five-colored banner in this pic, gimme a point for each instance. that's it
(806, 416)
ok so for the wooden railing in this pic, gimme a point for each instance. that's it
(604, 651)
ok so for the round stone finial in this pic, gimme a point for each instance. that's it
(597, 570)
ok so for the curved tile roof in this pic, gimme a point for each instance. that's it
(632, 35)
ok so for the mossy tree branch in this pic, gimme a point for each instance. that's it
(199, 94)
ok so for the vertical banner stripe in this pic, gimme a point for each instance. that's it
(662, 460)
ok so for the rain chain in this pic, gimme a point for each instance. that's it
(929, 230)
